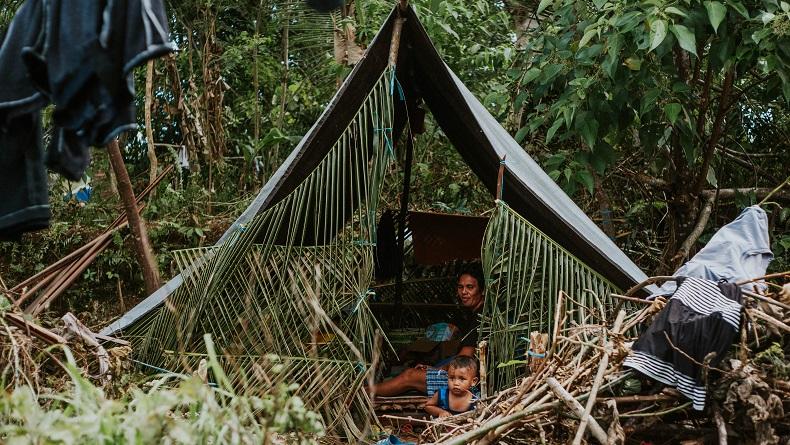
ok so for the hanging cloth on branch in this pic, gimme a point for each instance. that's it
(701, 317)
(79, 56)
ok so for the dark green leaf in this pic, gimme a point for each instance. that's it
(551, 71)
(522, 133)
(672, 110)
(588, 128)
(555, 161)
(553, 129)
(739, 8)
(531, 75)
(649, 101)
(568, 113)
(586, 178)
(519, 102)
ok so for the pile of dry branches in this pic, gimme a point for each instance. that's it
(34, 355)
(581, 392)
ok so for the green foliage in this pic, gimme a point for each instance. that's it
(605, 76)
(773, 360)
(175, 409)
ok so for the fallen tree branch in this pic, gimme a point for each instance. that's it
(768, 319)
(652, 280)
(721, 427)
(75, 327)
(578, 409)
(702, 222)
(33, 329)
(759, 192)
(765, 299)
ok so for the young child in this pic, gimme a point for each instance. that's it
(456, 397)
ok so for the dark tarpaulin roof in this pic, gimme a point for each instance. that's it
(478, 137)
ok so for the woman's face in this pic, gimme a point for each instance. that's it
(469, 292)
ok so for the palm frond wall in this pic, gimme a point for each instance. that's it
(292, 284)
(525, 272)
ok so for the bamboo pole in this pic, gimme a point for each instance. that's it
(395, 42)
(142, 245)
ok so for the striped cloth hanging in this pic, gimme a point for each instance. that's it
(701, 317)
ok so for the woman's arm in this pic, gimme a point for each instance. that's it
(467, 350)
(432, 407)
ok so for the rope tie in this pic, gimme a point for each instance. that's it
(387, 133)
(362, 297)
(393, 82)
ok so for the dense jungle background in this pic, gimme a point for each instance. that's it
(661, 119)
(661, 133)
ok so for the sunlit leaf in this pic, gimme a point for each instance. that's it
(685, 38)
(716, 13)
(658, 31)
(543, 5)
(587, 36)
(676, 11)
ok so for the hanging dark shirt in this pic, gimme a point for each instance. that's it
(24, 206)
(79, 56)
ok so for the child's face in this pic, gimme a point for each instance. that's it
(460, 380)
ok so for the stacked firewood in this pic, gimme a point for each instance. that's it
(581, 392)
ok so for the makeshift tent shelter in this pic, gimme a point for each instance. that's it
(301, 256)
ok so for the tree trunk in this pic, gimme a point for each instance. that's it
(141, 244)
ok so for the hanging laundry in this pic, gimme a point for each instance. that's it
(78, 56)
(701, 317)
(24, 206)
(737, 252)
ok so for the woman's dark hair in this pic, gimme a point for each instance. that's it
(465, 361)
(475, 272)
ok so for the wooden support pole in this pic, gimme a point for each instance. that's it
(499, 178)
(404, 213)
(397, 28)
(64, 267)
(33, 329)
(142, 246)
(482, 355)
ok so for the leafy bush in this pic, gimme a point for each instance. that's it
(175, 409)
